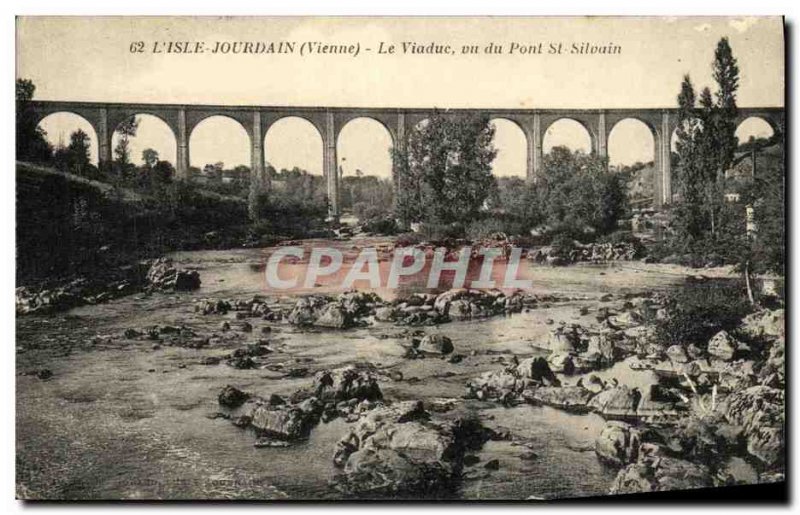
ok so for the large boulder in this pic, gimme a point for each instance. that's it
(537, 371)
(398, 449)
(620, 402)
(626, 319)
(232, 397)
(561, 362)
(436, 344)
(661, 473)
(737, 375)
(463, 303)
(569, 398)
(304, 311)
(602, 349)
(703, 438)
(496, 384)
(443, 301)
(358, 304)
(563, 339)
(163, 275)
(759, 410)
(773, 371)
(334, 316)
(460, 309)
(323, 312)
(677, 354)
(387, 314)
(618, 443)
(513, 379)
(345, 384)
(723, 346)
(285, 422)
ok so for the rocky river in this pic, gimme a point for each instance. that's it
(229, 391)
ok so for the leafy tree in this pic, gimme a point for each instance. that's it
(577, 193)
(726, 75)
(706, 146)
(31, 139)
(689, 174)
(367, 196)
(149, 157)
(78, 151)
(708, 224)
(445, 170)
(74, 158)
(162, 173)
(126, 130)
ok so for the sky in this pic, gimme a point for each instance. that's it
(89, 59)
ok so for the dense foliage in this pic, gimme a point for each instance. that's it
(716, 199)
(575, 195)
(697, 312)
(444, 173)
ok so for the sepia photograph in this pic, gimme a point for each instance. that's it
(454, 258)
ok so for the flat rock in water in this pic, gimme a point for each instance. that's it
(436, 343)
(570, 398)
(620, 402)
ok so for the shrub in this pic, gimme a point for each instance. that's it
(281, 214)
(696, 312)
(624, 238)
(386, 226)
(498, 224)
(437, 232)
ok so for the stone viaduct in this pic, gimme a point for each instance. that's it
(256, 120)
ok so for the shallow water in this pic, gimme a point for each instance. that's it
(122, 420)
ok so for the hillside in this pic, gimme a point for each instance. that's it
(68, 225)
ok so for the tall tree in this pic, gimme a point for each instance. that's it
(78, 152)
(31, 139)
(689, 214)
(445, 169)
(126, 130)
(707, 144)
(726, 75)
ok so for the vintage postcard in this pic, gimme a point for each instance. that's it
(376, 258)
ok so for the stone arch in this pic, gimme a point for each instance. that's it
(198, 123)
(753, 126)
(194, 118)
(571, 121)
(344, 121)
(363, 156)
(167, 151)
(117, 115)
(82, 123)
(626, 127)
(514, 159)
(303, 124)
